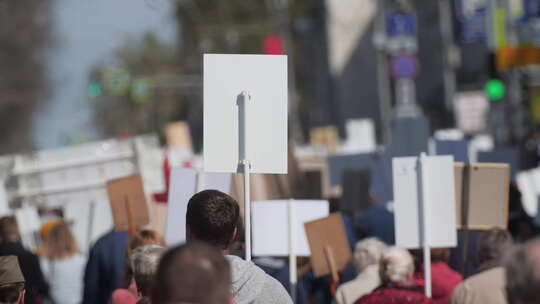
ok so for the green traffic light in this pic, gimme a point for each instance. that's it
(94, 90)
(495, 89)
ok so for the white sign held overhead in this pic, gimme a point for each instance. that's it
(270, 225)
(185, 182)
(263, 80)
(360, 136)
(471, 110)
(528, 184)
(434, 187)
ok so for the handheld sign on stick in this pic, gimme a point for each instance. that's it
(128, 202)
(482, 191)
(278, 230)
(185, 182)
(424, 205)
(328, 232)
(245, 118)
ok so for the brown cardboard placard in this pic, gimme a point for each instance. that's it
(482, 191)
(323, 233)
(326, 137)
(177, 135)
(128, 202)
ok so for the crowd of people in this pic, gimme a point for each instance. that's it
(136, 267)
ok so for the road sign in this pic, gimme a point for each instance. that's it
(404, 66)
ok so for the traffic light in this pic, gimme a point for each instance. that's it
(495, 89)
(94, 89)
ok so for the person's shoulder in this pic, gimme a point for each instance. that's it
(489, 276)
(276, 291)
(111, 237)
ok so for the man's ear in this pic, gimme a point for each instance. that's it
(234, 235)
(231, 300)
(21, 297)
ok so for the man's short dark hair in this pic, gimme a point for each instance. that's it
(192, 273)
(523, 273)
(492, 245)
(9, 230)
(212, 217)
(9, 293)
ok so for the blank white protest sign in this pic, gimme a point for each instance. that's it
(183, 185)
(438, 183)
(264, 77)
(270, 225)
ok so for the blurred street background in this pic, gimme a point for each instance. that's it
(95, 86)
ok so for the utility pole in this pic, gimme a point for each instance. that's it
(450, 54)
(383, 81)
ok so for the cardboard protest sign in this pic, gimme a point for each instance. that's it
(184, 184)
(264, 79)
(128, 202)
(356, 188)
(482, 195)
(428, 185)
(270, 225)
(330, 233)
(177, 135)
(325, 137)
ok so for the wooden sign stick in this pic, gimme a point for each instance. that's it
(128, 214)
(465, 218)
(328, 253)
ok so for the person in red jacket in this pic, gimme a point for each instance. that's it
(398, 286)
(443, 278)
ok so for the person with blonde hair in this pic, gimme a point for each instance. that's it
(367, 255)
(397, 284)
(62, 264)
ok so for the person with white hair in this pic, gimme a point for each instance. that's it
(397, 284)
(367, 255)
(144, 262)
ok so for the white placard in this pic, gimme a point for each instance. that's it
(270, 225)
(264, 77)
(438, 184)
(528, 184)
(183, 186)
(360, 136)
(471, 110)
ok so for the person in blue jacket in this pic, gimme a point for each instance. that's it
(105, 267)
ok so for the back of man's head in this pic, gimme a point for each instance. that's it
(11, 281)
(523, 273)
(493, 244)
(212, 217)
(144, 262)
(192, 273)
(9, 230)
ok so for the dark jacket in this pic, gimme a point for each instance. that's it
(36, 286)
(105, 267)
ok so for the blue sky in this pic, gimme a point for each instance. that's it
(86, 33)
